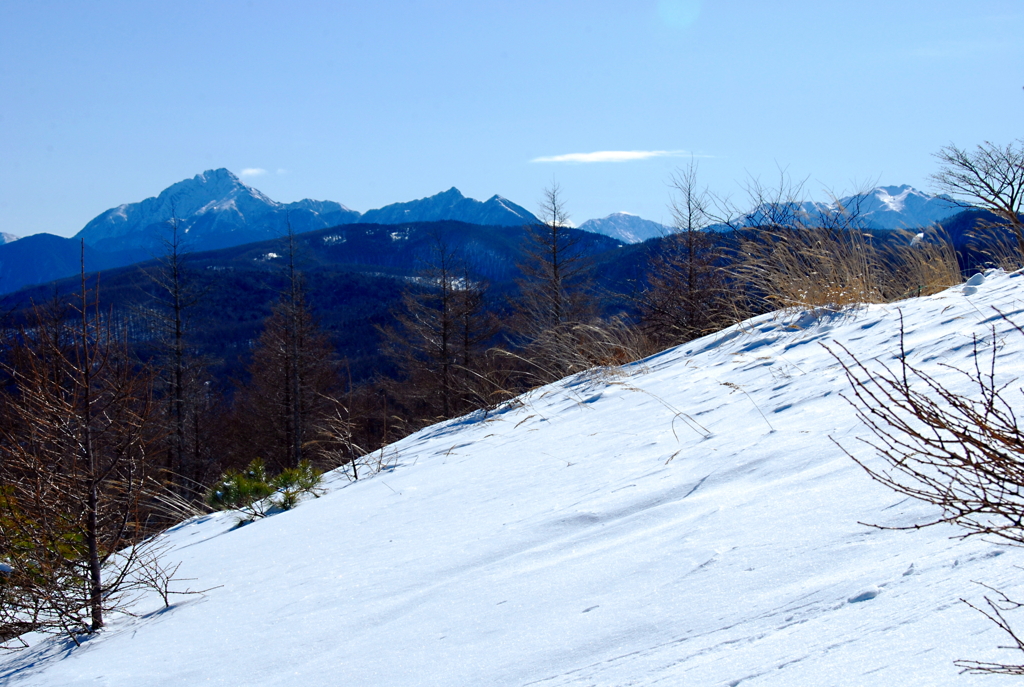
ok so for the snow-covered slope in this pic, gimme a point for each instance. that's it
(884, 207)
(215, 210)
(626, 227)
(452, 205)
(685, 521)
(7, 238)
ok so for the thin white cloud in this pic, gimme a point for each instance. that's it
(252, 172)
(284, 171)
(612, 156)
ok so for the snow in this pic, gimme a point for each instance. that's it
(686, 520)
(893, 202)
(452, 205)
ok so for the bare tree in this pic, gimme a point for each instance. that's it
(292, 378)
(438, 343)
(686, 294)
(74, 448)
(555, 301)
(182, 379)
(990, 177)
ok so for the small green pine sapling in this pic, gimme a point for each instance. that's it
(255, 494)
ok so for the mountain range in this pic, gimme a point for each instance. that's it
(452, 205)
(216, 210)
(883, 207)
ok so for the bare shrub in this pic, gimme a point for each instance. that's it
(963, 453)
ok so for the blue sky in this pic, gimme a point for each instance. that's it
(109, 101)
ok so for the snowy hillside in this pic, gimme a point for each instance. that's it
(685, 521)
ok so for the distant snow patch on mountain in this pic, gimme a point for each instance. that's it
(7, 238)
(626, 227)
(452, 205)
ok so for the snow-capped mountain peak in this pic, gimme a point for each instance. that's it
(452, 205)
(626, 227)
(883, 207)
(894, 197)
(215, 208)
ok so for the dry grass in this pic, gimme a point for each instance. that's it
(997, 242)
(833, 269)
(925, 264)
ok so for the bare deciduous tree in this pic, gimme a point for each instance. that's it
(183, 384)
(438, 343)
(292, 376)
(686, 294)
(74, 449)
(555, 305)
(991, 176)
